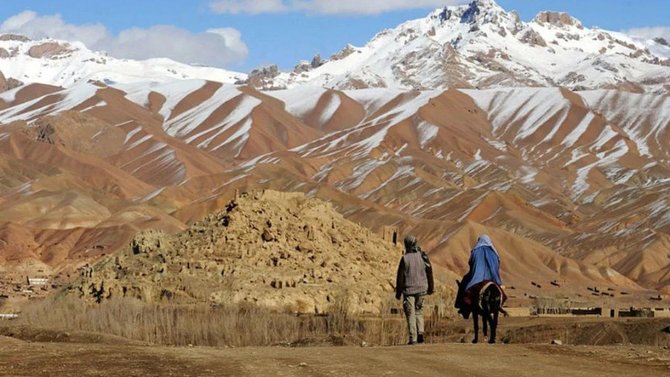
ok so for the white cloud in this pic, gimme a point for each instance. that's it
(216, 47)
(651, 32)
(248, 6)
(325, 6)
(31, 24)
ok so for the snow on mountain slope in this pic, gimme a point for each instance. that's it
(532, 158)
(481, 45)
(582, 173)
(63, 63)
(645, 117)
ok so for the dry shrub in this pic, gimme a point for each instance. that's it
(233, 325)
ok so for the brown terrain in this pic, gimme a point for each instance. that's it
(34, 353)
(569, 185)
(138, 220)
(47, 359)
(277, 250)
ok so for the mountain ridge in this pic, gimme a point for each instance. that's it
(570, 182)
(480, 45)
(581, 173)
(64, 63)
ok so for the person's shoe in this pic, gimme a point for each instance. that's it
(411, 343)
(420, 339)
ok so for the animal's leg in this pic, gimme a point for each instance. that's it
(494, 327)
(485, 324)
(475, 319)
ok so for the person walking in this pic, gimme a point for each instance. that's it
(414, 281)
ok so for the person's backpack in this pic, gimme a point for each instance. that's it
(429, 272)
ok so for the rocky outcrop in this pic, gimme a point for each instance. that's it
(316, 61)
(8, 83)
(346, 51)
(559, 19)
(662, 41)
(49, 50)
(46, 134)
(280, 250)
(3, 82)
(302, 67)
(471, 13)
(533, 38)
(14, 37)
(658, 61)
(263, 77)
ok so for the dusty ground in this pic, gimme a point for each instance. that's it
(570, 330)
(21, 358)
(32, 352)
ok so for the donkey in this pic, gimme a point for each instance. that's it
(487, 304)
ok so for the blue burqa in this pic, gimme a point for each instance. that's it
(484, 263)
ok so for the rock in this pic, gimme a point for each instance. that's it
(14, 37)
(515, 17)
(13, 83)
(3, 82)
(263, 77)
(303, 66)
(149, 241)
(267, 236)
(8, 83)
(302, 365)
(4, 53)
(316, 61)
(346, 51)
(533, 38)
(557, 19)
(662, 41)
(49, 50)
(557, 342)
(470, 15)
(278, 253)
(46, 134)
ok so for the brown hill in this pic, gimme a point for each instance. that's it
(571, 184)
(274, 249)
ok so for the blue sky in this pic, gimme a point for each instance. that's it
(251, 33)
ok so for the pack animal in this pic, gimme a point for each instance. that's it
(488, 305)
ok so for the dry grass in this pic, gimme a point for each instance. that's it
(204, 325)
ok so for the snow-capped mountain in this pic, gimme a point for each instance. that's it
(572, 183)
(63, 63)
(551, 173)
(480, 45)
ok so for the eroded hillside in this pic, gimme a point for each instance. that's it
(279, 250)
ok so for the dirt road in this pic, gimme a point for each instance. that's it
(21, 358)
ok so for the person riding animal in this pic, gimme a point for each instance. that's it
(481, 290)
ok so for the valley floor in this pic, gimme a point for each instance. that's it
(21, 358)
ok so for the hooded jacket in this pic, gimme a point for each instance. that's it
(415, 273)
